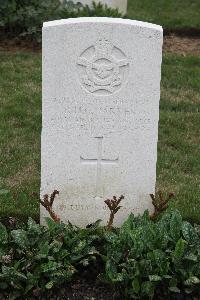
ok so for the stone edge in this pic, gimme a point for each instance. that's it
(102, 20)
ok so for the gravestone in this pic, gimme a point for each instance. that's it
(121, 5)
(101, 90)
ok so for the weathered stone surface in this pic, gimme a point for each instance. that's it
(101, 90)
(121, 5)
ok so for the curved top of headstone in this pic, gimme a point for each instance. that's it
(104, 20)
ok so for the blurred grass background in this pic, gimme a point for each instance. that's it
(181, 15)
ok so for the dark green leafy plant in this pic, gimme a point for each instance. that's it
(144, 256)
(24, 18)
(39, 258)
(141, 256)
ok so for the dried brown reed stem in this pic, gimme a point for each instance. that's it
(113, 205)
(160, 203)
(47, 202)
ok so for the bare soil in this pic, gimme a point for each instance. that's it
(172, 43)
(86, 290)
(15, 45)
(182, 45)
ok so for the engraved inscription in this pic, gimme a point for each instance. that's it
(82, 207)
(101, 120)
(99, 161)
(103, 68)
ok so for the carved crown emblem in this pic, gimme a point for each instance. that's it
(103, 68)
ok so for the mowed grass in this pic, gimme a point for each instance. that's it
(178, 168)
(20, 126)
(171, 14)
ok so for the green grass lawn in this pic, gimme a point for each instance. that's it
(20, 126)
(178, 168)
(171, 14)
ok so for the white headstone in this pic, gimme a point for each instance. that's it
(101, 90)
(121, 5)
